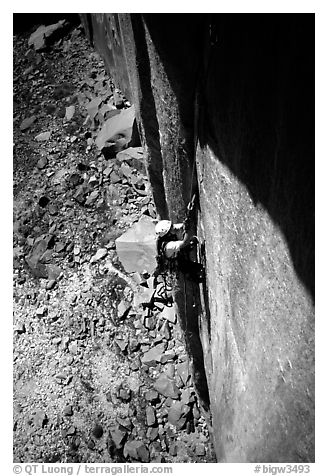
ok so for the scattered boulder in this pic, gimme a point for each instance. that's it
(125, 423)
(134, 345)
(177, 414)
(150, 416)
(42, 163)
(134, 157)
(20, 328)
(97, 431)
(151, 396)
(137, 451)
(70, 111)
(118, 436)
(44, 136)
(124, 394)
(200, 449)
(170, 314)
(68, 410)
(53, 271)
(40, 419)
(123, 309)
(27, 123)
(71, 430)
(153, 355)
(137, 247)
(118, 126)
(167, 356)
(101, 253)
(122, 344)
(183, 371)
(167, 387)
(41, 38)
(152, 433)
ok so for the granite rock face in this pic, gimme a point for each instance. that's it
(252, 344)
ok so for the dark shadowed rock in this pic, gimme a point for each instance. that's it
(97, 431)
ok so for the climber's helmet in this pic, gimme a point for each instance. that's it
(163, 227)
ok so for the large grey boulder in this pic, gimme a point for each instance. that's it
(118, 126)
(136, 248)
(40, 38)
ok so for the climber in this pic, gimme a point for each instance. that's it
(172, 238)
(174, 243)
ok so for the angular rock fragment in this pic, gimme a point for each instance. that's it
(123, 309)
(200, 449)
(183, 371)
(124, 394)
(125, 423)
(117, 126)
(134, 345)
(118, 99)
(150, 416)
(44, 136)
(166, 331)
(41, 163)
(20, 328)
(41, 37)
(151, 396)
(71, 430)
(167, 387)
(153, 355)
(118, 436)
(68, 410)
(170, 371)
(173, 451)
(122, 343)
(27, 123)
(177, 414)
(70, 111)
(37, 269)
(136, 450)
(53, 271)
(152, 433)
(169, 313)
(143, 297)
(137, 247)
(100, 254)
(40, 419)
(134, 157)
(167, 356)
